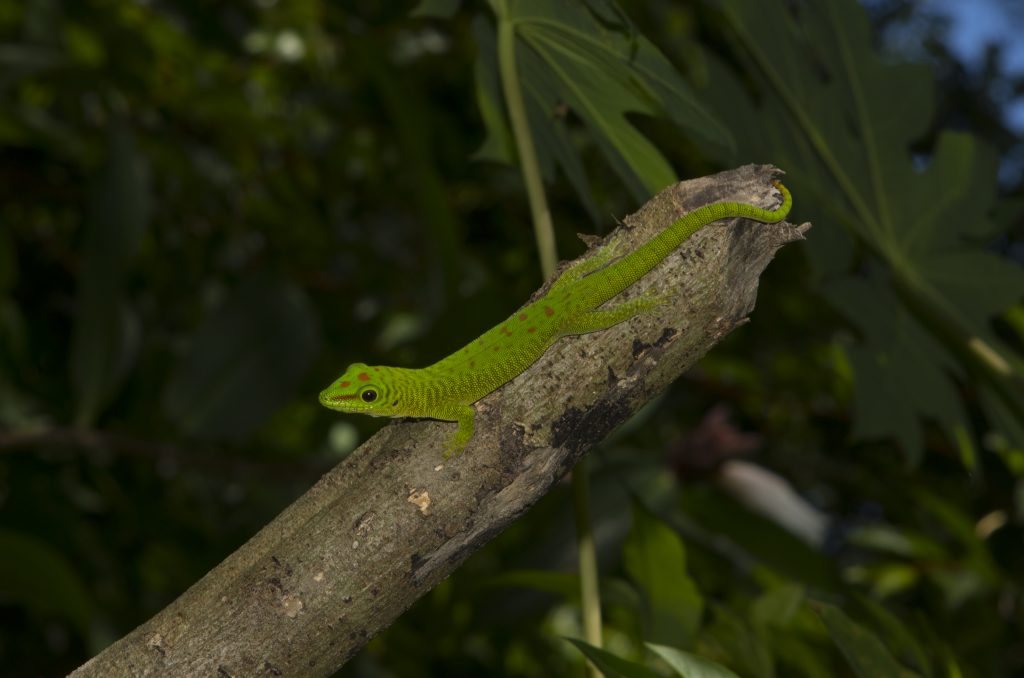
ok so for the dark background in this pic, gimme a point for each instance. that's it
(208, 210)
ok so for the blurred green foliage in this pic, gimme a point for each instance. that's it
(208, 209)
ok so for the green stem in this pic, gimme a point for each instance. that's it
(528, 164)
(590, 595)
(544, 232)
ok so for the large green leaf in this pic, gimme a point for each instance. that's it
(897, 357)
(842, 121)
(778, 606)
(897, 636)
(689, 665)
(655, 559)
(590, 60)
(902, 542)
(735, 636)
(244, 362)
(864, 652)
(612, 665)
(106, 331)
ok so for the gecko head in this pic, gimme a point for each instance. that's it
(361, 389)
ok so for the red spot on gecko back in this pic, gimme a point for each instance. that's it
(496, 348)
(363, 376)
(531, 330)
(504, 330)
(548, 311)
(522, 316)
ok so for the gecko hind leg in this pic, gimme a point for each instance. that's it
(593, 321)
(600, 259)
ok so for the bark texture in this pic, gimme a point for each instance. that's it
(392, 520)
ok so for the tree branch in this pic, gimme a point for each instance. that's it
(391, 521)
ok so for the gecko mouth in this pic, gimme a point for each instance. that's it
(332, 401)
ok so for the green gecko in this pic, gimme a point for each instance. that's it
(447, 389)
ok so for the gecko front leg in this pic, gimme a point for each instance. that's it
(465, 416)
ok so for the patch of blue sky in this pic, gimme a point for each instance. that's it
(975, 24)
(971, 26)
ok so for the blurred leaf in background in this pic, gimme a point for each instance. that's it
(106, 329)
(247, 356)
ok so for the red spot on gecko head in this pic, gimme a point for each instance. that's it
(549, 311)
(363, 376)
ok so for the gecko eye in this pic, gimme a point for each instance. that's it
(368, 396)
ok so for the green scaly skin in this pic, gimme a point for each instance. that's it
(447, 389)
